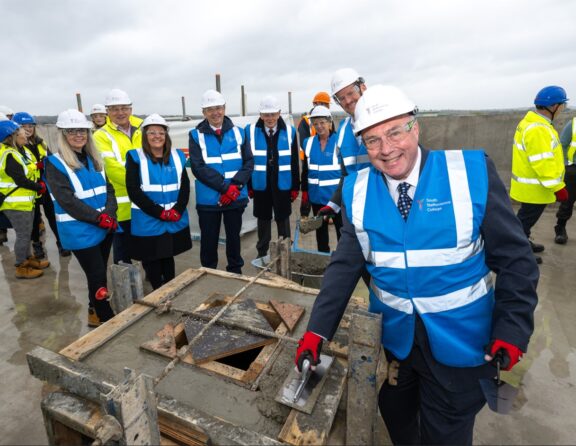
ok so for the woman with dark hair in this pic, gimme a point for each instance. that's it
(321, 173)
(159, 188)
(85, 207)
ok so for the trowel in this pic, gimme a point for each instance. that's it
(301, 389)
(499, 394)
(310, 224)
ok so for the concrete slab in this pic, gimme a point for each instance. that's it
(51, 312)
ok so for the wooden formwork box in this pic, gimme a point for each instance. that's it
(214, 402)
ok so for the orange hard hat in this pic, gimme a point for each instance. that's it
(322, 96)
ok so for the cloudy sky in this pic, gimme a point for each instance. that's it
(446, 54)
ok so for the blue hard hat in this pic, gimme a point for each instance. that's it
(23, 118)
(7, 128)
(551, 95)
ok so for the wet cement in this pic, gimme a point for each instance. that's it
(51, 311)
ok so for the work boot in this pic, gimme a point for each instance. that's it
(538, 260)
(561, 235)
(3, 235)
(63, 252)
(39, 252)
(536, 247)
(93, 319)
(26, 271)
(37, 263)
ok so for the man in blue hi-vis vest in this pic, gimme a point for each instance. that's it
(452, 273)
(222, 164)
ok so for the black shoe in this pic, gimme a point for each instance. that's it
(38, 250)
(3, 236)
(536, 247)
(538, 260)
(561, 235)
(64, 252)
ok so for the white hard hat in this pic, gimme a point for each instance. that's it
(117, 97)
(72, 119)
(98, 108)
(320, 112)
(380, 103)
(212, 98)
(6, 110)
(342, 78)
(3, 117)
(269, 104)
(154, 119)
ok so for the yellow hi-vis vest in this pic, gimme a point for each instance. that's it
(537, 161)
(21, 199)
(113, 144)
(572, 147)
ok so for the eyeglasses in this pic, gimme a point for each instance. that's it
(73, 132)
(156, 132)
(394, 136)
(119, 108)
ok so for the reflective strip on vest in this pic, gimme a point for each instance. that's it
(572, 149)
(436, 304)
(463, 217)
(67, 217)
(224, 156)
(114, 146)
(79, 192)
(146, 186)
(548, 183)
(19, 199)
(540, 156)
(324, 167)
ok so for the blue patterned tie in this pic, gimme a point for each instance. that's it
(404, 200)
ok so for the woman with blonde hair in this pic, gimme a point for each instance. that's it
(85, 207)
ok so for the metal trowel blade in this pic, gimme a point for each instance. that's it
(499, 395)
(311, 390)
(310, 224)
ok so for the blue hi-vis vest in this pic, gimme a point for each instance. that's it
(352, 151)
(161, 183)
(90, 187)
(324, 171)
(433, 263)
(226, 158)
(259, 147)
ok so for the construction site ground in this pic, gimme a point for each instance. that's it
(51, 312)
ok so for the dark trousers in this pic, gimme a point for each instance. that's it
(265, 233)
(528, 214)
(210, 233)
(46, 202)
(94, 262)
(121, 245)
(565, 210)
(160, 271)
(419, 409)
(322, 236)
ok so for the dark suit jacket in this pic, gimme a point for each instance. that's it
(508, 254)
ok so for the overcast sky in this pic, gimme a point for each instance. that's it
(445, 54)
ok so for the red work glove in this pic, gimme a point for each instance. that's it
(561, 195)
(225, 200)
(233, 192)
(42, 185)
(326, 211)
(174, 215)
(308, 347)
(305, 200)
(293, 195)
(40, 165)
(250, 193)
(107, 222)
(502, 351)
(165, 215)
(102, 293)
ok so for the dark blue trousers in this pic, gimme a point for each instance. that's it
(210, 222)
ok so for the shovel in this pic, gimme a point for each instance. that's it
(310, 224)
(499, 394)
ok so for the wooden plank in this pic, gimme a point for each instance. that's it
(313, 429)
(289, 313)
(100, 335)
(363, 359)
(262, 359)
(85, 382)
